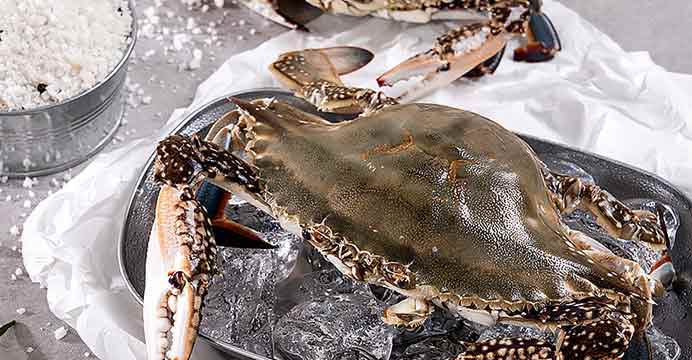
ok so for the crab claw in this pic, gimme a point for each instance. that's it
(289, 13)
(180, 260)
(543, 41)
(458, 54)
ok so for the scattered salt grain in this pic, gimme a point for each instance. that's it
(60, 333)
(67, 177)
(219, 3)
(240, 37)
(21, 311)
(27, 163)
(14, 230)
(18, 272)
(27, 183)
(253, 31)
(31, 194)
(87, 354)
(3, 179)
(8, 198)
(196, 61)
(13, 277)
(59, 50)
(29, 350)
(27, 204)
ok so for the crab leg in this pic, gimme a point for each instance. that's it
(588, 329)
(314, 76)
(616, 218)
(476, 49)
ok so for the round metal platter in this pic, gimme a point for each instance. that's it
(623, 181)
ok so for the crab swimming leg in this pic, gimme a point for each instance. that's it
(313, 74)
(476, 49)
(590, 328)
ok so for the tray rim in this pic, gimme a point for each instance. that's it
(239, 351)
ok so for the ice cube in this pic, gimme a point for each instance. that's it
(300, 288)
(337, 327)
(441, 337)
(500, 331)
(239, 308)
(564, 167)
(663, 347)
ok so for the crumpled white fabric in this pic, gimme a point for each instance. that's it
(593, 96)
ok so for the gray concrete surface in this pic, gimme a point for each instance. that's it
(658, 27)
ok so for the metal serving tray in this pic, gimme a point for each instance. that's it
(622, 180)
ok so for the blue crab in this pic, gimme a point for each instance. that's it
(438, 204)
(472, 49)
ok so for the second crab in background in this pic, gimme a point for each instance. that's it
(473, 49)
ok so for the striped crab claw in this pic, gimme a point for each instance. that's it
(289, 13)
(180, 261)
(477, 49)
(181, 255)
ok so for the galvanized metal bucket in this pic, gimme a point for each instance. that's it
(55, 137)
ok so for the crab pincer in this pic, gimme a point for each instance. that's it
(477, 49)
(543, 41)
(181, 255)
(180, 261)
(474, 50)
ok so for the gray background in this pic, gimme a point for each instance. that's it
(660, 27)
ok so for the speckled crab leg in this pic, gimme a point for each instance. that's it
(619, 221)
(476, 49)
(588, 329)
(313, 74)
(616, 218)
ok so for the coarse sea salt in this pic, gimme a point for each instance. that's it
(60, 333)
(51, 51)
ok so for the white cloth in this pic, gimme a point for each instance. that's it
(594, 96)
